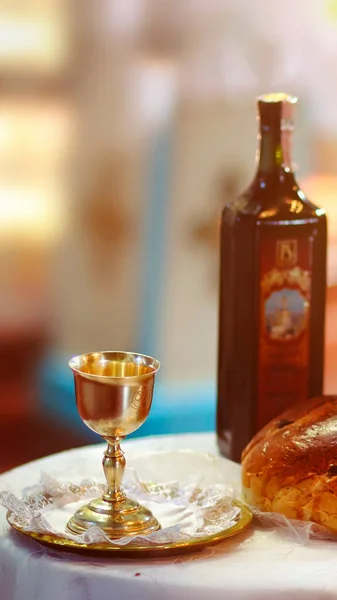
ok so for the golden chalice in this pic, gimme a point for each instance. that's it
(114, 395)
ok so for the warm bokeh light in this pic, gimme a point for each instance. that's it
(322, 190)
(33, 36)
(35, 139)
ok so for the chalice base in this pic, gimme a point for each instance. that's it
(117, 519)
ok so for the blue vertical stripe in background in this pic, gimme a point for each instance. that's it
(158, 187)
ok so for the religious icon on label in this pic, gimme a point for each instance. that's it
(285, 289)
(285, 314)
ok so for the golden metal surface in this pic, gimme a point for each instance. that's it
(114, 395)
(197, 543)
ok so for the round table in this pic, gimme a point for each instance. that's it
(259, 564)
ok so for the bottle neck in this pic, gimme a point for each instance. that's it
(274, 155)
(276, 120)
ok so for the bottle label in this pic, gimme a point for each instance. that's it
(285, 289)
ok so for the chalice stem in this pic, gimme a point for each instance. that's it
(114, 466)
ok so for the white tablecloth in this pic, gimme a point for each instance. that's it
(259, 565)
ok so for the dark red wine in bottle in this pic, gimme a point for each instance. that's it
(272, 290)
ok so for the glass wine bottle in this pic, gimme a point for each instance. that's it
(272, 290)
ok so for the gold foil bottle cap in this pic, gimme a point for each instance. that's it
(277, 110)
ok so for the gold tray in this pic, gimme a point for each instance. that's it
(193, 544)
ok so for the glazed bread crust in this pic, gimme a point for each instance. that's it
(290, 466)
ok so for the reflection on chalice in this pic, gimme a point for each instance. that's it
(114, 395)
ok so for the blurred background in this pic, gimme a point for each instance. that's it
(124, 126)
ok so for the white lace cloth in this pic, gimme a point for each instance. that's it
(261, 564)
(186, 509)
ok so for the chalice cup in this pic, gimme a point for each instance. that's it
(113, 396)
